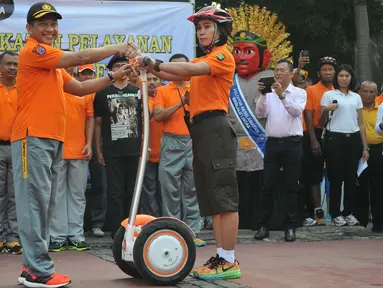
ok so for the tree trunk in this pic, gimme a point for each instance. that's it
(363, 59)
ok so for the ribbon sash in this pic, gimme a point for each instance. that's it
(246, 117)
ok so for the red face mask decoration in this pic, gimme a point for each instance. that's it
(250, 54)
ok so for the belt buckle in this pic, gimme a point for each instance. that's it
(348, 135)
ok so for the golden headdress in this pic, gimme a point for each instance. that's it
(265, 24)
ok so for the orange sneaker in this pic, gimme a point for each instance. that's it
(208, 263)
(53, 281)
(219, 269)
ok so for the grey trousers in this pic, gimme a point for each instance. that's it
(150, 202)
(36, 166)
(68, 217)
(179, 198)
(8, 218)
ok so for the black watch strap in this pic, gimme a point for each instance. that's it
(381, 126)
(111, 76)
(157, 65)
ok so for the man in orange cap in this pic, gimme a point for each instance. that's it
(68, 219)
(38, 134)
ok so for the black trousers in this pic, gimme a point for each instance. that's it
(370, 191)
(121, 173)
(343, 151)
(249, 189)
(96, 196)
(285, 153)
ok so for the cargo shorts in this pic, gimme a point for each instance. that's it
(214, 164)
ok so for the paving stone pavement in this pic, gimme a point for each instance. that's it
(105, 253)
(101, 246)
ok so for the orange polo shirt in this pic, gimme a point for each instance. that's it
(41, 103)
(78, 109)
(314, 97)
(211, 92)
(379, 99)
(156, 130)
(8, 106)
(168, 96)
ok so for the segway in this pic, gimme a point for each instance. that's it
(160, 250)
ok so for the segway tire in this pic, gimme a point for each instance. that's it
(158, 263)
(127, 267)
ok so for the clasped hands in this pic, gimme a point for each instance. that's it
(137, 59)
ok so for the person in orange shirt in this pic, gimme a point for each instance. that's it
(8, 103)
(179, 198)
(151, 194)
(38, 133)
(67, 228)
(313, 159)
(214, 140)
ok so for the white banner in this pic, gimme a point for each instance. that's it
(159, 29)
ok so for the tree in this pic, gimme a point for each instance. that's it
(363, 47)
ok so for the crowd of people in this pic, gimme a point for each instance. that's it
(61, 127)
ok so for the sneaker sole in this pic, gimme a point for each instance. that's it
(21, 280)
(227, 275)
(78, 249)
(200, 244)
(17, 253)
(39, 285)
(57, 250)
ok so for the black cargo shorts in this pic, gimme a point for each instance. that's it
(214, 163)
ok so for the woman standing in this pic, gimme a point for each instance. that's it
(341, 114)
(214, 141)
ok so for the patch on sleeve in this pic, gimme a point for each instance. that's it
(220, 56)
(40, 50)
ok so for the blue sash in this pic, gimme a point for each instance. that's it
(246, 117)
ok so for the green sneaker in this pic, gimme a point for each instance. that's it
(78, 246)
(199, 242)
(57, 246)
(219, 269)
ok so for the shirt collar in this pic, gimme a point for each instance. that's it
(2, 85)
(376, 106)
(174, 86)
(290, 88)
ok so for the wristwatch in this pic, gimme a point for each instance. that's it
(157, 65)
(283, 96)
(366, 149)
(381, 126)
(110, 75)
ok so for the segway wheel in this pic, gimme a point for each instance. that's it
(127, 267)
(164, 252)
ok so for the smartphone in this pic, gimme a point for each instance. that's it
(267, 81)
(305, 53)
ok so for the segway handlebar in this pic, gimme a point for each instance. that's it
(145, 147)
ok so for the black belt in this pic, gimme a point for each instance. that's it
(207, 114)
(4, 142)
(376, 146)
(284, 139)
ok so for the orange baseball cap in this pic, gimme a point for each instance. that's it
(81, 68)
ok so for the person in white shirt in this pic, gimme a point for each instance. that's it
(283, 108)
(341, 114)
(379, 120)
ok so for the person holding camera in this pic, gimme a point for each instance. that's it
(283, 107)
(342, 115)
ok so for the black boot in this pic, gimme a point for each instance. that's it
(290, 235)
(262, 233)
